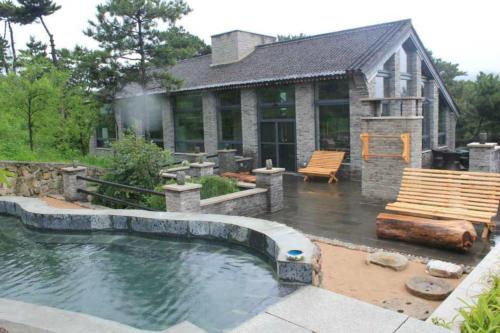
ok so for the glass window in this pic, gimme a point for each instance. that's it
(442, 125)
(335, 89)
(153, 122)
(277, 95)
(106, 127)
(403, 88)
(188, 123)
(426, 125)
(403, 61)
(382, 86)
(334, 131)
(229, 120)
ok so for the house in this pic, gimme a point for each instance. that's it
(283, 100)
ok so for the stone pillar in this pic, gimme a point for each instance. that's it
(210, 135)
(272, 180)
(168, 124)
(381, 176)
(227, 160)
(451, 125)
(183, 198)
(394, 84)
(249, 130)
(305, 122)
(433, 96)
(484, 157)
(202, 169)
(71, 184)
(415, 70)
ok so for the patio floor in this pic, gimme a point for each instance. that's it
(339, 211)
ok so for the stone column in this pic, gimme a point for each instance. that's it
(415, 70)
(381, 176)
(272, 180)
(71, 184)
(210, 135)
(202, 169)
(305, 122)
(433, 95)
(484, 157)
(227, 160)
(183, 198)
(168, 124)
(249, 130)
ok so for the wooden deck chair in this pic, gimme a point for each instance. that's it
(323, 164)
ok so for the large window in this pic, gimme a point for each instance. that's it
(332, 112)
(153, 119)
(229, 120)
(426, 125)
(106, 127)
(404, 72)
(277, 125)
(442, 125)
(188, 123)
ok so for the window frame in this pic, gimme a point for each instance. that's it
(99, 140)
(176, 110)
(220, 108)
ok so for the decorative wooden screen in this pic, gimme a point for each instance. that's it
(404, 137)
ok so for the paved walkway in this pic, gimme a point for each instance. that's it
(339, 211)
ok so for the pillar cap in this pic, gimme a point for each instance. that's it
(73, 169)
(181, 188)
(202, 165)
(227, 151)
(482, 145)
(268, 172)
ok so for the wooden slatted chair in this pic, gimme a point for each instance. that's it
(323, 164)
(449, 195)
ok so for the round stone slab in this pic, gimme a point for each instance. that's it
(409, 307)
(429, 288)
(395, 261)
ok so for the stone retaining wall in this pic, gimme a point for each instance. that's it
(34, 179)
(271, 239)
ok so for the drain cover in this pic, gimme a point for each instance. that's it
(429, 288)
(409, 307)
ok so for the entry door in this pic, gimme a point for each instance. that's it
(277, 142)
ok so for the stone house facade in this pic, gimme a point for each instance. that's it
(283, 100)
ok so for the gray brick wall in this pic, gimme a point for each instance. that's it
(235, 45)
(381, 177)
(168, 124)
(249, 124)
(253, 203)
(451, 124)
(305, 124)
(358, 89)
(210, 122)
(484, 158)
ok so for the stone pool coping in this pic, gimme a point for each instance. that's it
(269, 238)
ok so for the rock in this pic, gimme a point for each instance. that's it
(395, 261)
(409, 307)
(429, 288)
(3, 330)
(444, 269)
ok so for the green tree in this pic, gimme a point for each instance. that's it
(33, 10)
(486, 102)
(31, 94)
(129, 30)
(4, 45)
(10, 13)
(285, 38)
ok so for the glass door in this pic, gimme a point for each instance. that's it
(277, 141)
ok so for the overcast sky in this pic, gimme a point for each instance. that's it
(465, 32)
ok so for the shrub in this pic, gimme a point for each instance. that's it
(137, 163)
(484, 316)
(4, 177)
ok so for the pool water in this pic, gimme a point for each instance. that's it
(148, 283)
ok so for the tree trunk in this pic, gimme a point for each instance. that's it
(52, 43)
(30, 126)
(14, 55)
(456, 234)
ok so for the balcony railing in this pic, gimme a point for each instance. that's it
(394, 106)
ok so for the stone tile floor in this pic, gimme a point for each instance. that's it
(339, 211)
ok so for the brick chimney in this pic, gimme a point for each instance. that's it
(235, 45)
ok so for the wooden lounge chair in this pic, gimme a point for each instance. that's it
(241, 176)
(449, 195)
(323, 164)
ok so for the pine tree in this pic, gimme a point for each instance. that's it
(9, 13)
(4, 45)
(33, 10)
(129, 30)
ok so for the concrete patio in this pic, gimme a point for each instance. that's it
(339, 211)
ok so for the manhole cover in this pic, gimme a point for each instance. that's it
(395, 261)
(429, 288)
(409, 307)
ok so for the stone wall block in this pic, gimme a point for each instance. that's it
(272, 180)
(71, 183)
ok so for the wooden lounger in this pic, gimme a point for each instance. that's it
(449, 195)
(241, 176)
(323, 164)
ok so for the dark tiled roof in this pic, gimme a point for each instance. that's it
(316, 56)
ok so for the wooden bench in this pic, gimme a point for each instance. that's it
(449, 195)
(323, 164)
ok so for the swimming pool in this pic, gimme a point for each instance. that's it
(148, 283)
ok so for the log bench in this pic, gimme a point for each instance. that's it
(446, 197)
(323, 163)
